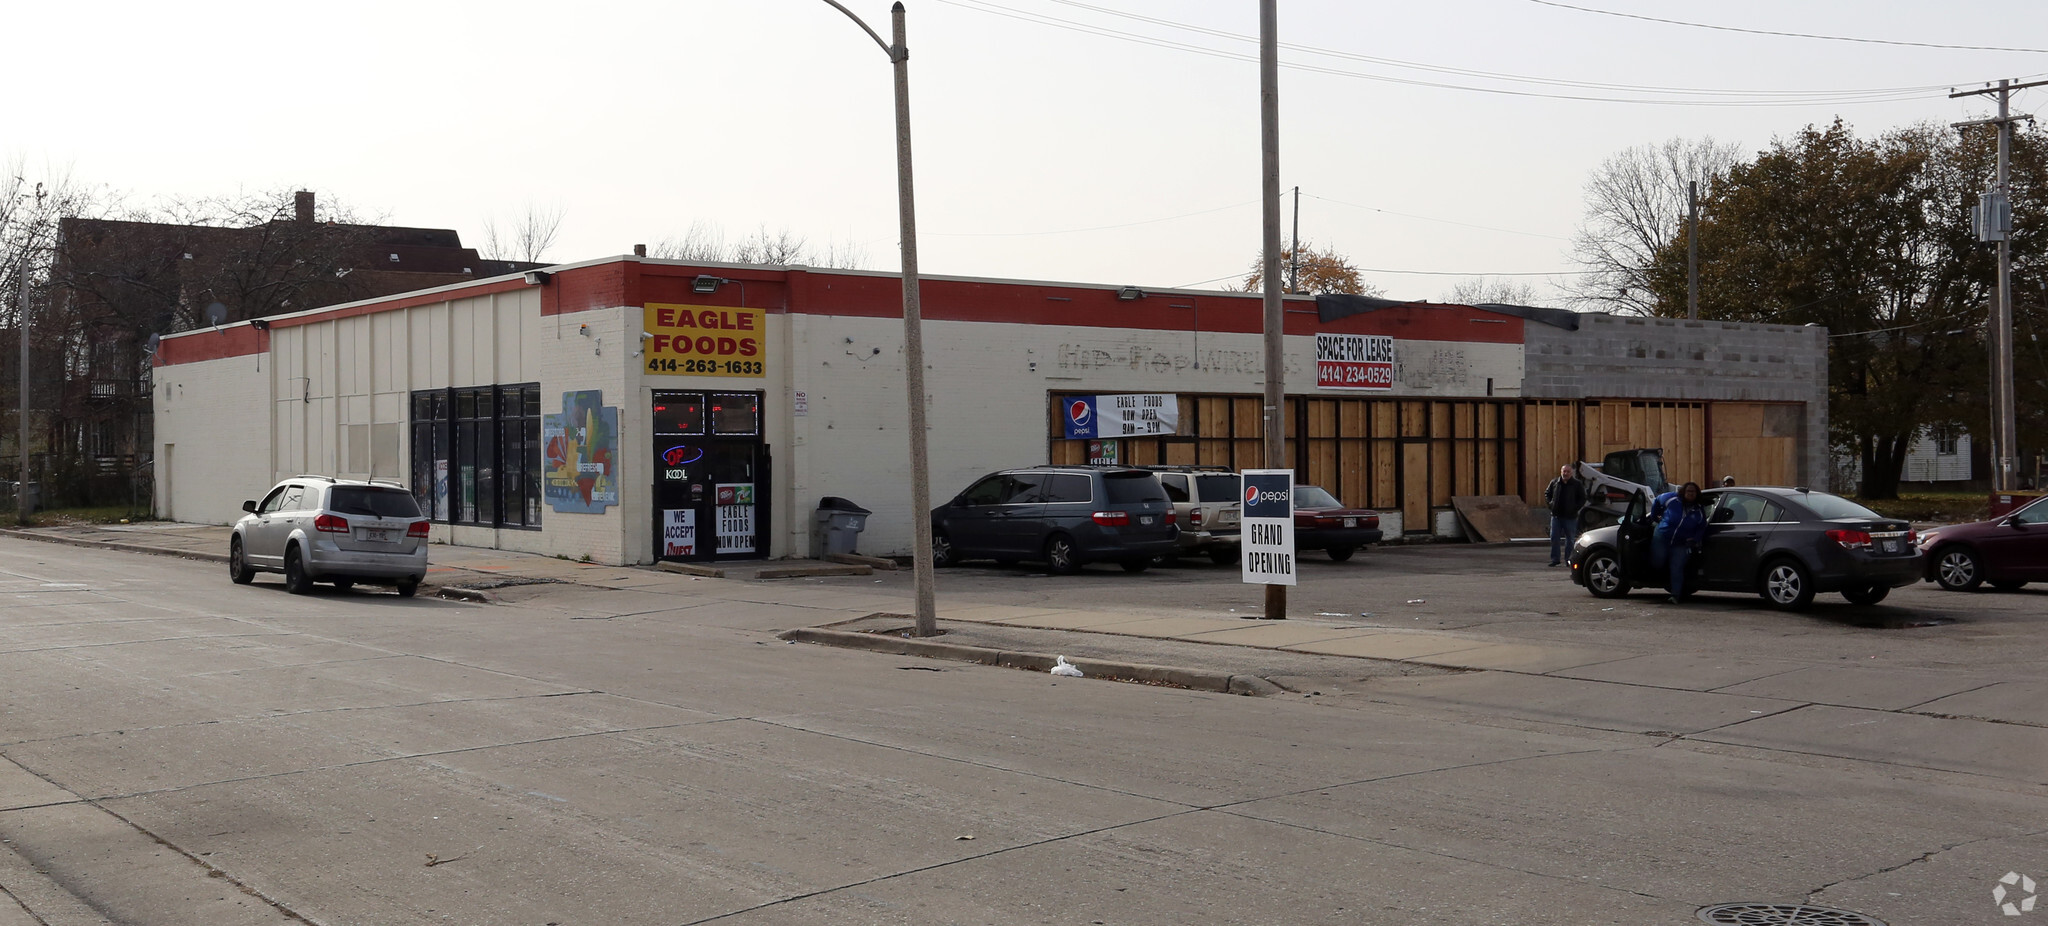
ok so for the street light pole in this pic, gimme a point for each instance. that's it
(21, 416)
(1275, 433)
(913, 327)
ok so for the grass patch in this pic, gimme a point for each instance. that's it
(1939, 507)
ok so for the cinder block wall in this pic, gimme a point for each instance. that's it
(213, 438)
(1631, 357)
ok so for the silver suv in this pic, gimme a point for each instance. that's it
(1209, 502)
(321, 529)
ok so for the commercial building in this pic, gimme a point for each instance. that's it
(629, 410)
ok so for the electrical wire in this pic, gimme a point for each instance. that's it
(1792, 35)
(1762, 98)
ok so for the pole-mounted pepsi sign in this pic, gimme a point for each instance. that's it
(1268, 526)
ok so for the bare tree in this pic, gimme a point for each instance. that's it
(1635, 207)
(1491, 290)
(525, 238)
(705, 241)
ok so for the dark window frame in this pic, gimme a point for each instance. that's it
(490, 438)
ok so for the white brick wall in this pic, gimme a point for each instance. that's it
(213, 432)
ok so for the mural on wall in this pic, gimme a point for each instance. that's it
(582, 454)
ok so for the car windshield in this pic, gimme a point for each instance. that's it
(1132, 486)
(1314, 497)
(376, 503)
(1831, 507)
(1219, 487)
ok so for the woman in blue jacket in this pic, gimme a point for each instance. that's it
(1678, 536)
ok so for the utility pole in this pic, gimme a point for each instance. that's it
(1276, 367)
(1294, 250)
(913, 329)
(1692, 249)
(1994, 223)
(21, 416)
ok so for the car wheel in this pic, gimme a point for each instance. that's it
(343, 585)
(1603, 574)
(1059, 555)
(1868, 594)
(942, 551)
(406, 587)
(1786, 585)
(238, 564)
(1223, 556)
(2008, 585)
(1956, 569)
(295, 580)
(1137, 565)
(1341, 554)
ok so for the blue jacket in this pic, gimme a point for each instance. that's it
(1681, 524)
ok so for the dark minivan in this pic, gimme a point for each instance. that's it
(1063, 516)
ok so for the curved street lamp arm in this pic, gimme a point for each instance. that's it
(891, 52)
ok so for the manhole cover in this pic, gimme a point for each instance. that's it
(1782, 914)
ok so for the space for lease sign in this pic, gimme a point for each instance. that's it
(1354, 361)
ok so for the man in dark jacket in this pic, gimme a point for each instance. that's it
(1565, 496)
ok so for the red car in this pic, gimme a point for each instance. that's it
(1321, 522)
(2007, 552)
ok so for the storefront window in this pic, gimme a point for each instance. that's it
(735, 413)
(476, 455)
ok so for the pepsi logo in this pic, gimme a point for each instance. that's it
(1251, 495)
(681, 455)
(1078, 412)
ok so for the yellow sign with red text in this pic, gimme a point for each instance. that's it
(695, 340)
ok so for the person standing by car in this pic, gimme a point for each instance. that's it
(1565, 496)
(1679, 533)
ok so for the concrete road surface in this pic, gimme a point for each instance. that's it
(643, 751)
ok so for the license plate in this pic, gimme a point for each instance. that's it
(1350, 522)
(1891, 546)
(1144, 519)
(374, 535)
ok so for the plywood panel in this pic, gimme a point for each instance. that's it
(1386, 475)
(1415, 480)
(1180, 453)
(1439, 473)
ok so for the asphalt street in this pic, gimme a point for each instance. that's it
(637, 747)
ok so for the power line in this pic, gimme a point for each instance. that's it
(1792, 35)
(1763, 97)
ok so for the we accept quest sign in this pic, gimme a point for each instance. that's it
(692, 340)
(1354, 361)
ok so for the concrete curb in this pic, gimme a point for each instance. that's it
(466, 594)
(112, 545)
(856, 559)
(1195, 679)
(690, 569)
(811, 571)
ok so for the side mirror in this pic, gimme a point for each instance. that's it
(249, 506)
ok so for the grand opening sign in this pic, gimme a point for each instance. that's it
(693, 340)
(1354, 361)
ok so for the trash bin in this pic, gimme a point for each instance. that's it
(836, 526)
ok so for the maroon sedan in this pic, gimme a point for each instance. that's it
(1321, 522)
(2007, 552)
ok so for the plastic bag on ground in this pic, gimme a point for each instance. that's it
(1063, 668)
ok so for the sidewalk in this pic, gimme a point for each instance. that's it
(461, 572)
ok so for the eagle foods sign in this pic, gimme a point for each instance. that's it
(1095, 417)
(1354, 361)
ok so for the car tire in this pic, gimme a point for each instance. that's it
(1059, 556)
(1340, 554)
(238, 564)
(1786, 585)
(1136, 565)
(1223, 556)
(295, 579)
(942, 551)
(407, 587)
(2008, 585)
(1603, 574)
(1866, 594)
(1957, 570)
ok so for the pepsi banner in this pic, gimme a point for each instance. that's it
(1268, 537)
(1094, 417)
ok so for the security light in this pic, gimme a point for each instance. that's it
(706, 283)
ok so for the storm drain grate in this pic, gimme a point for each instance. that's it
(1782, 914)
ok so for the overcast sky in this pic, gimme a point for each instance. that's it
(1108, 141)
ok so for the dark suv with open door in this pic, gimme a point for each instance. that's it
(1063, 516)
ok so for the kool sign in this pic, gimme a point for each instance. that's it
(694, 340)
(1268, 526)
